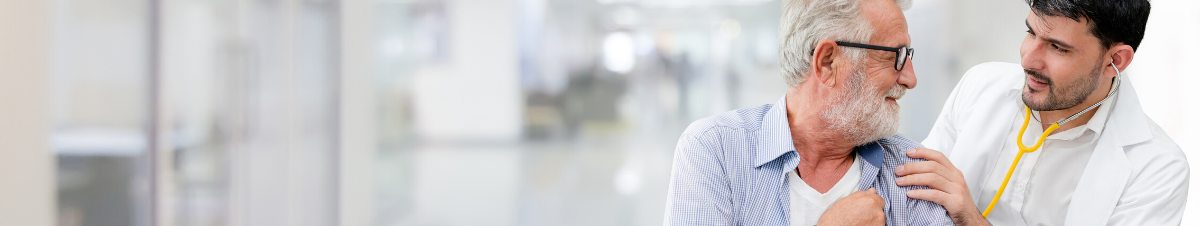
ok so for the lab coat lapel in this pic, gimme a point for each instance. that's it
(1101, 184)
(1105, 176)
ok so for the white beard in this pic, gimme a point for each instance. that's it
(863, 116)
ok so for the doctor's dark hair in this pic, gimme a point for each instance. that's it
(1112, 21)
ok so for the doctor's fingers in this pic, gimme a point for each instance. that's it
(929, 154)
(950, 173)
(932, 181)
(935, 196)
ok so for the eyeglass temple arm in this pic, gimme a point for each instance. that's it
(864, 46)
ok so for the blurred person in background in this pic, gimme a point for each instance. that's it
(1107, 163)
(825, 152)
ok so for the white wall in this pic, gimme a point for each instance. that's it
(26, 163)
(1164, 74)
(357, 118)
(950, 37)
(475, 95)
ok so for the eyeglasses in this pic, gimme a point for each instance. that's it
(903, 53)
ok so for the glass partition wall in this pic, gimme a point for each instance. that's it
(244, 107)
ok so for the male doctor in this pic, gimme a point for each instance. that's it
(1110, 165)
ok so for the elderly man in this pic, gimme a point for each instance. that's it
(1087, 155)
(823, 154)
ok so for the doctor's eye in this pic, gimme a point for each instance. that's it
(1057, 48)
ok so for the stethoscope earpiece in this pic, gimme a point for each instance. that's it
(1114, 66)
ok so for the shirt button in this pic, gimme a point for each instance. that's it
(1021, 188)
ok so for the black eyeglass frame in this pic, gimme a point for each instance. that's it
(903, 53)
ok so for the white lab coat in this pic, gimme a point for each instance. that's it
(1136, 176)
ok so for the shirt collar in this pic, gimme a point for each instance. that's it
(871, 153)
(775, 139)
(774, 136)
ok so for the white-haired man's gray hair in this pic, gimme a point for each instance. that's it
(805, 22)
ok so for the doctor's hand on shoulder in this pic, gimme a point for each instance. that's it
(949, 189)
(858, 208)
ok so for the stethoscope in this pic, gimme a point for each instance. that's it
(1023, 149)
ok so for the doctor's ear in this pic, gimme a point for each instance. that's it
(823, 63)
(1121, 55)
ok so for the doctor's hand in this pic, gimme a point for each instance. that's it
(949, 189)
(859, 208)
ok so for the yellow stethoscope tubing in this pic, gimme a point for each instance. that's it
(1021, 143)
(1023, 150)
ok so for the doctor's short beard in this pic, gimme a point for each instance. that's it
(862, 115)
(1062, 97)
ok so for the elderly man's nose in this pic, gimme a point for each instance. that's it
(908, 76)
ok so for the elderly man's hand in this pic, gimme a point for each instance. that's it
(859, 208)
(949, 187)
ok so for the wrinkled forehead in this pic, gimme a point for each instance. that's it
(891, 28)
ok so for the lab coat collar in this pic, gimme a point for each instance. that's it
(1128, 121)
(775, 139)
(1098, 120)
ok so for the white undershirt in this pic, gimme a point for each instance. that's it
(808, 204)
(1044, 182)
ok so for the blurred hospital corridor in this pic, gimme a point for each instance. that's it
(433, 112)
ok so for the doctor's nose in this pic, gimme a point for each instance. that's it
(1032, 56)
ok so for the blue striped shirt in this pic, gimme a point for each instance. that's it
(730, 169)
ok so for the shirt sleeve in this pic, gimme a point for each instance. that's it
(921, 212)
(699, 192)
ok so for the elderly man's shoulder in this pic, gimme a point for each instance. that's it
(895, 147)
(745, 119)
(721, 140)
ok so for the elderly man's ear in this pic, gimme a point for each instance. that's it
(823, 63)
